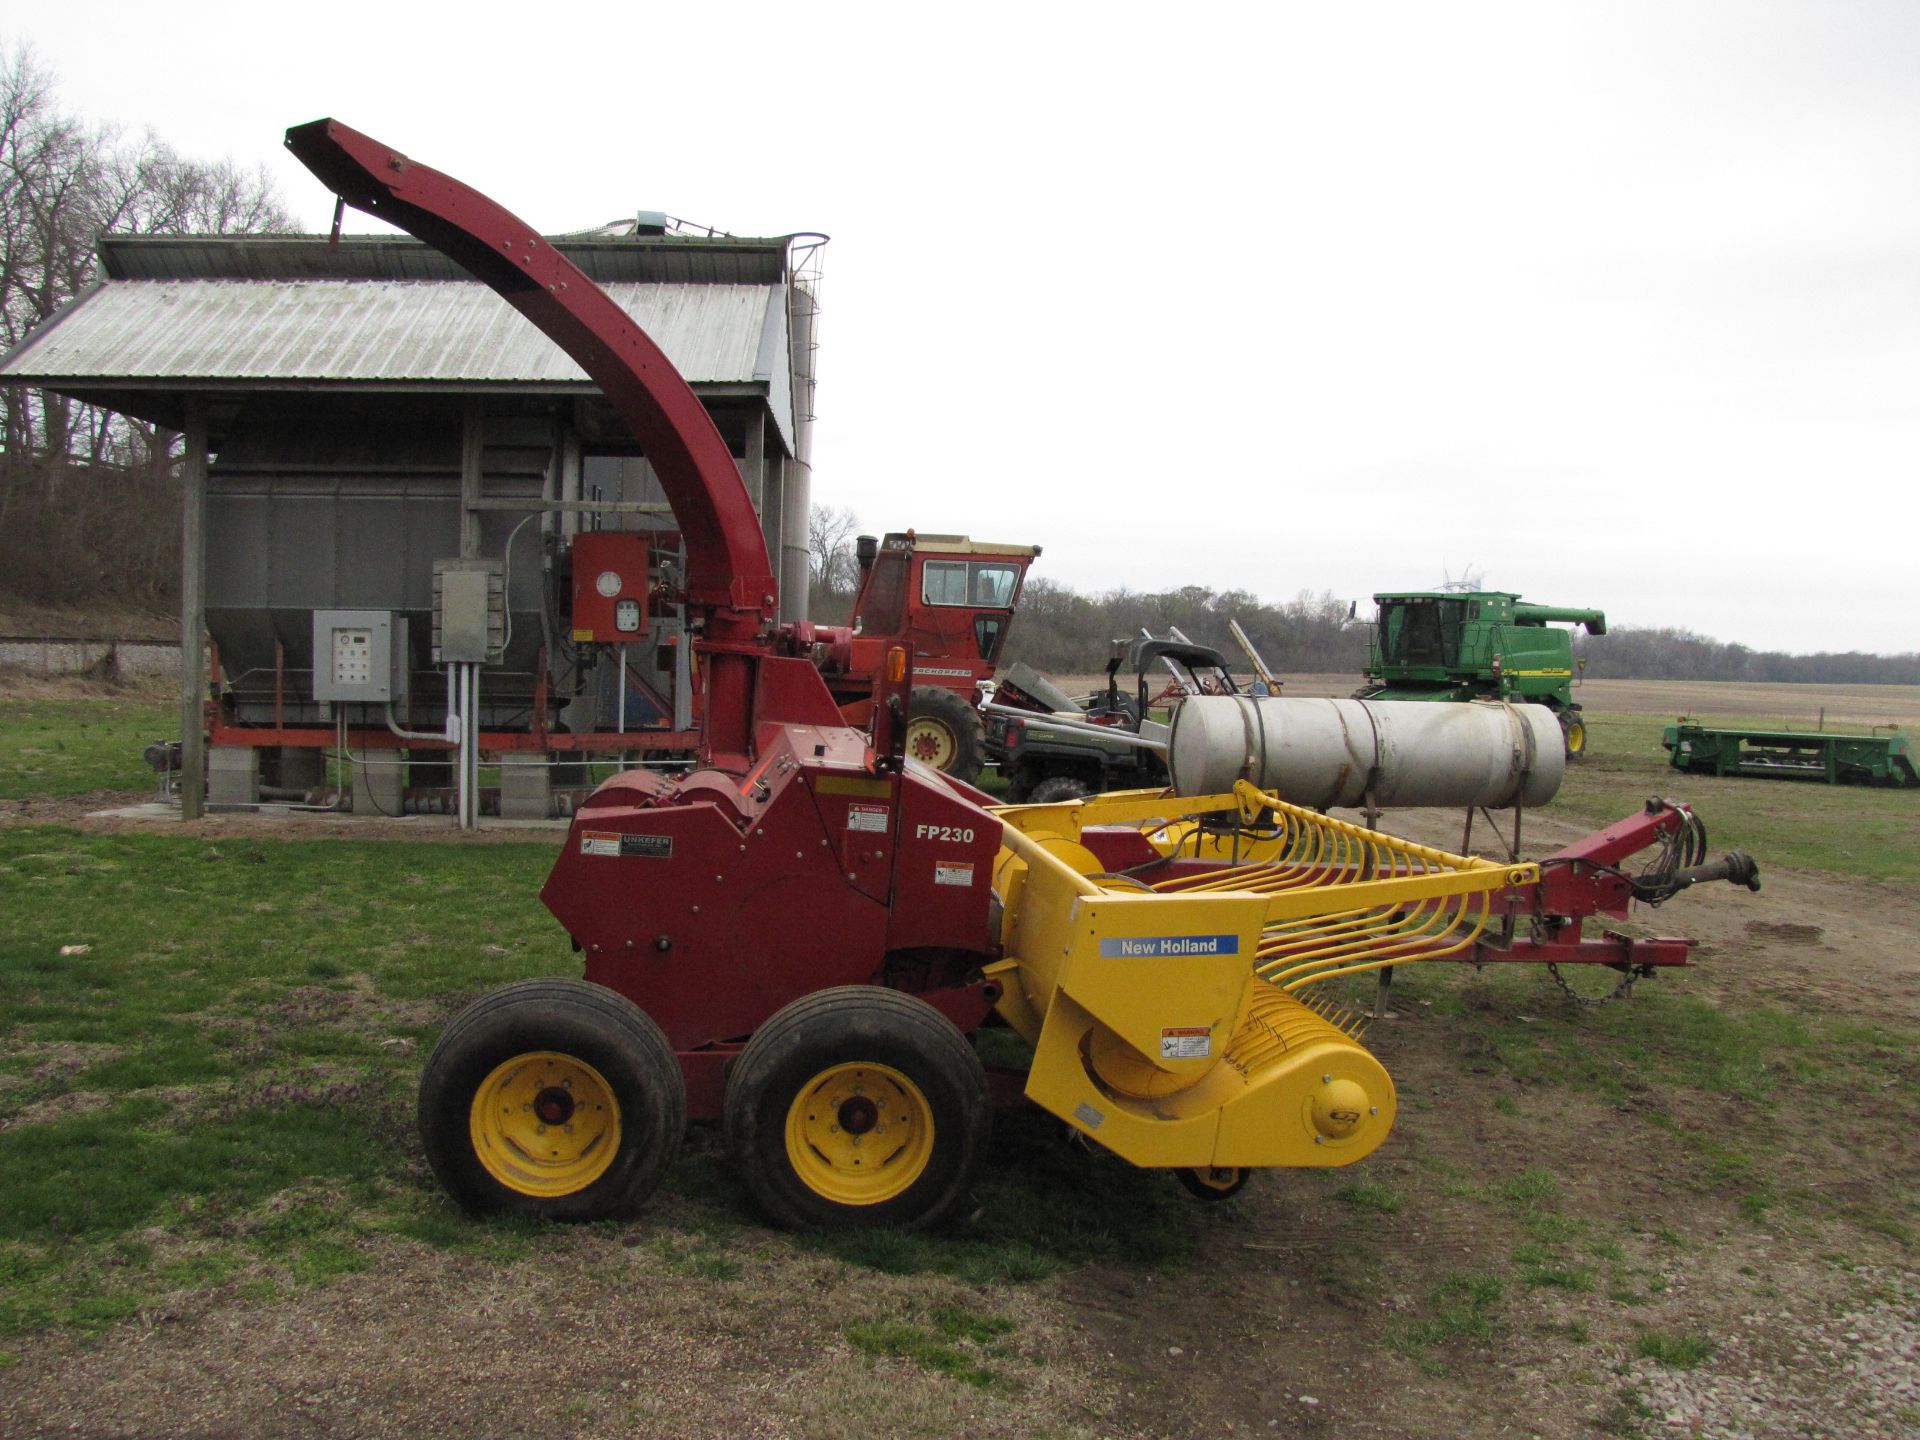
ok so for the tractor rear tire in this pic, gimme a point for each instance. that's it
(552, 1098)
(944, 731)
(857, 1106)
(1573, 728)
(1058, 788)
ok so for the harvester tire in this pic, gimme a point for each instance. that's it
(1573, 728)
(1056, 789)
(857, 1106)
(944, 731)
(552, 1098)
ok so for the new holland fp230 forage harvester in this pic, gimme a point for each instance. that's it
(799, 936)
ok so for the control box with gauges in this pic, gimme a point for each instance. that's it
(610, 587)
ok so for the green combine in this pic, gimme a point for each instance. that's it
(1482, 644)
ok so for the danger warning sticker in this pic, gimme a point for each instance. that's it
(1186, 1042)
(867, 817)
(612, 842)
(953, 874)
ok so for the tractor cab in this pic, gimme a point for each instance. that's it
(948, 599)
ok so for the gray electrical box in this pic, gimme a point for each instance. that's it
(469, 611)
(360, 656)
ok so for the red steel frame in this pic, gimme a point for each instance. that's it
(539, 737)
(1580, 883)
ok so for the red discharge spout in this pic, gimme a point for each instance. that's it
(729, 582)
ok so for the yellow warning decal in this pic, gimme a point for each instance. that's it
(853, 785)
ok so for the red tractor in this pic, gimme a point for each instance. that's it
(948, 602)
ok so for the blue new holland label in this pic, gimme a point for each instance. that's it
(1156, 947)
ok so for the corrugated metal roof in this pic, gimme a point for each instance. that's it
(369, 331)
(658, 258)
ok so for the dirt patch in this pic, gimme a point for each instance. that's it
(1785, 930)
(600, 1337)
(1827, 942)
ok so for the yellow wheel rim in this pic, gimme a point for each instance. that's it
(1576, 738)
(859, 1134)
(930, 742)
(545, 1124)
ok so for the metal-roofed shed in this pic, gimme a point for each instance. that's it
(356, 410)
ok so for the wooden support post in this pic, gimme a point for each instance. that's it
(193, 601)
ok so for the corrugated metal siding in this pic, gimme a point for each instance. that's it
(365, 331)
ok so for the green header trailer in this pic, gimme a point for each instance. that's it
(1480, 644)
(1876, 759)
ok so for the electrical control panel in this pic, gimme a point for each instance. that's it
(360, 656)
(610, 587)
(469, 611)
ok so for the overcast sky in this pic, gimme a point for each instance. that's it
(1614, 304)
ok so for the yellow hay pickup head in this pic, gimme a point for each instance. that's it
(1160, 1002)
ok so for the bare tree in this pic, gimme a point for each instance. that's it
(830, 533)
(63, 181)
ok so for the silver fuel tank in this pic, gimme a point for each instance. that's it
(1321, 753)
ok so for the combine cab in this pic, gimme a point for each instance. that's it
(1448, 645)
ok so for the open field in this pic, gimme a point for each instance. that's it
(1693, 1212)
(1789, 706)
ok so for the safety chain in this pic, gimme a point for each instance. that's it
(1633, 973)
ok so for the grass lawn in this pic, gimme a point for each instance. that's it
(1846, 829)
(208, 1050)
(50, 748)
(208, 1059)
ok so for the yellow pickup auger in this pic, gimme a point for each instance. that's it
(1160, 954)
